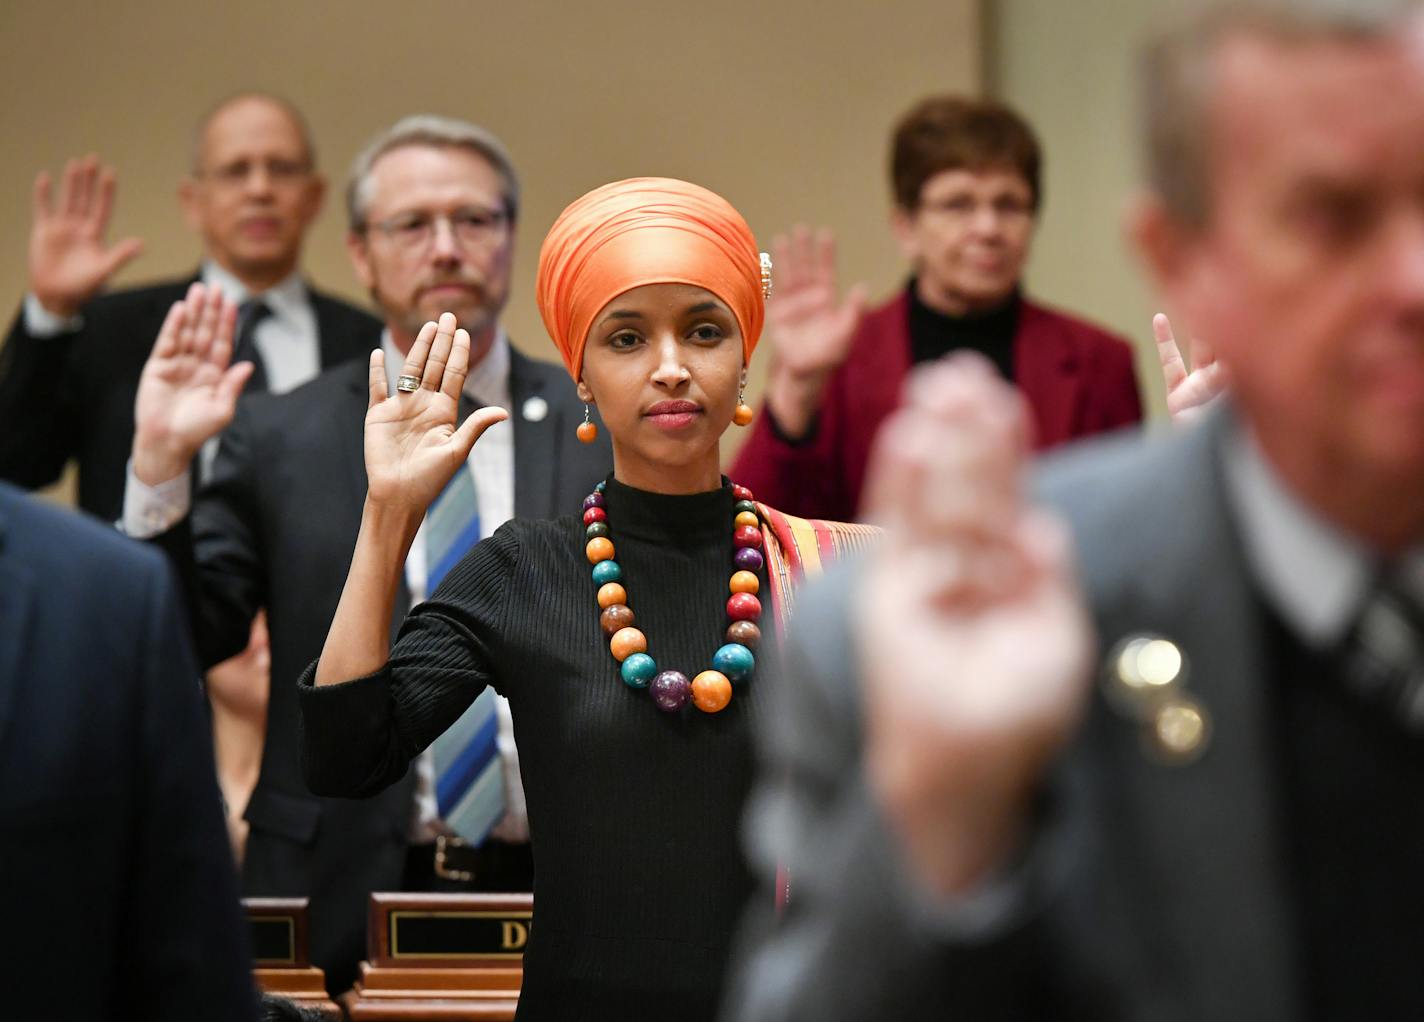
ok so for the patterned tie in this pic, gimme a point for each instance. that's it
(469, 775)
(249, 314)
(1384, 653)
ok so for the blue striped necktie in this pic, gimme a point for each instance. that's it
(469, 775)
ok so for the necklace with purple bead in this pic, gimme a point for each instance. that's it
(732, 664)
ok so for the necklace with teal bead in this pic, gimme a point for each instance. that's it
(732, 664)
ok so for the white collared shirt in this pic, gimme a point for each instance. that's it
(287, 339)
(1314, 575)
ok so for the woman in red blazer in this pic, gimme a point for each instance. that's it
(966, 182)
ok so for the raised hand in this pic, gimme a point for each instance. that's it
(413, 443)
(809, 324)
(69, 258)
(187, 392)
(413, 448)
(975, 646)
(1188, 393)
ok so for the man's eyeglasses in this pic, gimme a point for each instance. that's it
(279, 172)
(471, 228)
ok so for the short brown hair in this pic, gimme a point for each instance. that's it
(955, 133)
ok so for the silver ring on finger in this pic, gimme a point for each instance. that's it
(407, 384)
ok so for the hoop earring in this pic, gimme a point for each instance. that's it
(744, 414)
(587, 431)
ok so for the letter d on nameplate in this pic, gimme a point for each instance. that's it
(450, 928)
(516, 935)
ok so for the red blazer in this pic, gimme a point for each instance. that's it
(1078, 379)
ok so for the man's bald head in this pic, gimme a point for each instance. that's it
(216, 114)
(253, 189)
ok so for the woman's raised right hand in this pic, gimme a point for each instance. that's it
(413, 443)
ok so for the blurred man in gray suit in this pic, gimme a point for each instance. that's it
(1224, 820)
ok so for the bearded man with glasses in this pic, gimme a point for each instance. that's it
(432, 204)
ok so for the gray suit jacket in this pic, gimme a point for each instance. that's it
(1149, 891)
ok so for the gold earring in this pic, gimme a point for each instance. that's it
(587, 431)
(744, 414)
(765, 275)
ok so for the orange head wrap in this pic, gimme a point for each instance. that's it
(645, 230)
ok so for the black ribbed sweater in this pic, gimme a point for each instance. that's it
(933, 334)
(633, 813)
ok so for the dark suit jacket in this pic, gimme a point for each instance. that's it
(275, 527)
(72, 396)
(1149, 891)
(1078, 381)
(117, 885)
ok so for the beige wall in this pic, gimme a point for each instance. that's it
(1068, 67)
(783, 107)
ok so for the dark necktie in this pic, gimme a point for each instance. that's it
(244, 349)
(1384, 653)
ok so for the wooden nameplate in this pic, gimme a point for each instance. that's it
(447, 956)
(280, 957)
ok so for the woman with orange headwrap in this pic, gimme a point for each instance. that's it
(633, 728)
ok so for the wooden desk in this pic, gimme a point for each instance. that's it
(443, 956)
(280, 953)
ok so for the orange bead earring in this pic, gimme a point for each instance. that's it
(744, 414)
(587, 431)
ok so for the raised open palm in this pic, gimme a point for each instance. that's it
(973, 591)
(69, 257)
(413, 442)
(810, 324)
(187, 392)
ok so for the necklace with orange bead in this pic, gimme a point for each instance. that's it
(732, 664)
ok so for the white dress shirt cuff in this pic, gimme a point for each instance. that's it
(151, 510)
(40, 322)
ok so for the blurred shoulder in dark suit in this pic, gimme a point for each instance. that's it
(116, 882)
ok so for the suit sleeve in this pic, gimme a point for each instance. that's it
(215, 550)
(359, 736)
(858, 938)
(40, 409)
(187, 942)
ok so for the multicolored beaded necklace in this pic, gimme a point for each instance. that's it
(732, 664)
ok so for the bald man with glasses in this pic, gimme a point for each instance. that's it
(70, 364)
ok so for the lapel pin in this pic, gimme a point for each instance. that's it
(534, 409)
(1144, 679)
(1180, 731)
